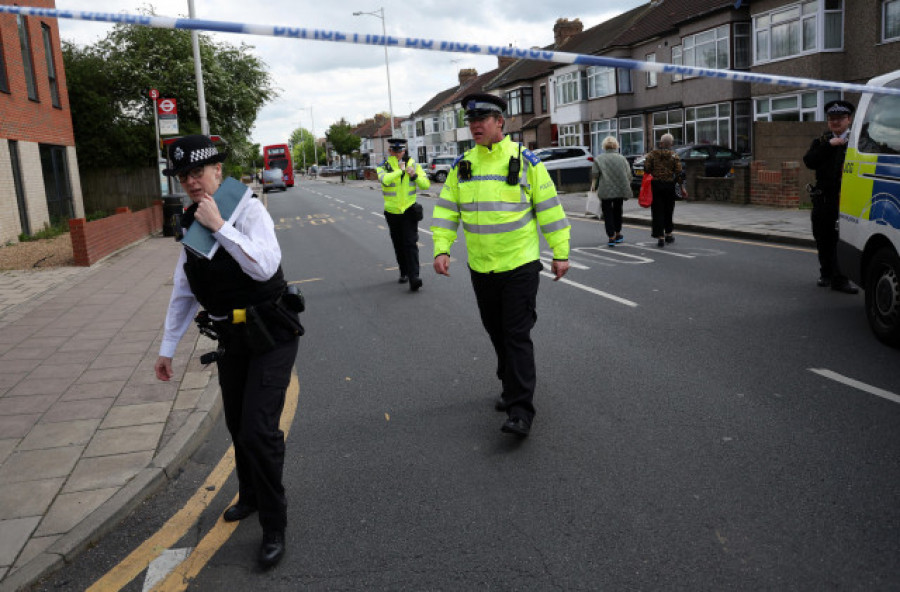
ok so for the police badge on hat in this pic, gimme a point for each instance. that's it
(190, 152)
(838, 108)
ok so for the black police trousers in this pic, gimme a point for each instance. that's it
(404, 230)
(507, 302)
(824, 219)
(253, 392)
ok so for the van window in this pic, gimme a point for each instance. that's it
(880, 132)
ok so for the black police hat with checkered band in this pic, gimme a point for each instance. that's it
(190, 152)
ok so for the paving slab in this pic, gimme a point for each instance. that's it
(71, 508)
(106, 471)
(126, 439)
(28, 498)
(16, 533)
(132, 415)
(56, 435)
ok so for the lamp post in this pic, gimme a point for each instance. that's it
(315, 147)
(380, 14)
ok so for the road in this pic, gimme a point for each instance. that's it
(707, 419)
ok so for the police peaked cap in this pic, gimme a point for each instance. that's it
(397, 143)
(839, 108)
(189, 152)
(481, 105)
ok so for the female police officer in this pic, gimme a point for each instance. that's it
(244, 273)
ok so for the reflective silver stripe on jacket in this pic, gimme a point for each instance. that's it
(447, 204)
(390, 193)
(443, 223)
(483, 178)
(547, 204)
(558, 225)
(494, 206)
(499, 228)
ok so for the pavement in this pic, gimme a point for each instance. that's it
(87, 432)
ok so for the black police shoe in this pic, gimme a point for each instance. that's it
(272, 548)
(403, 279)
(414, 284)
(518, 426)
(237, 512)
(846, 288)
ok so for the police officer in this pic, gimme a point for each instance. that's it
(502, 193)
(400, 176)
(826, 157)
(243, 275)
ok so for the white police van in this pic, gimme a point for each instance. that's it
(870, 208)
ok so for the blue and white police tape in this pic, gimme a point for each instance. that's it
(164, 22)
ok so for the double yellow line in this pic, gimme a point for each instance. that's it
(183, 520)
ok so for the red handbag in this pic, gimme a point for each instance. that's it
(645, 197)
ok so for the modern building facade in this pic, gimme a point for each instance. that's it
(39, 182)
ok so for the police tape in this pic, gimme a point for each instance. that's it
(164, 22)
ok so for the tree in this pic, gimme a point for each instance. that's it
(342, 140)
(303, 144)
(112, 114)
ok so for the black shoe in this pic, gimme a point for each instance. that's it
(670, 238)
(660, 243)
(516, 426)
(403, 279)
(272, 548)
(237, 512)
(414, 284)
(500, 404)
(824, 282)
(846, 288)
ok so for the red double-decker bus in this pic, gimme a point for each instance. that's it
(278, 156)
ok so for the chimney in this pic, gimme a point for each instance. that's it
(564, 28)
(504, 61)
(467, 74)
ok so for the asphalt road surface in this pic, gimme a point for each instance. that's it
(707, 419)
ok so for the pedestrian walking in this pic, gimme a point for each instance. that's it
(665, 167)
(611, 179)
(400, 177)
(826, 157)
(501, 193)
(256, 353)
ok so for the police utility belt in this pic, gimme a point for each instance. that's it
(283, 310)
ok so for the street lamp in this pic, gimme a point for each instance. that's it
(315, 147)
(380, 14)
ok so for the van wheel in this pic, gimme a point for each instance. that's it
(440, 176)
(883, 296)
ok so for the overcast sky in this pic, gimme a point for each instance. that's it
(320, 82)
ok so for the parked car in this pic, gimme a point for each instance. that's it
(438, 168)
(565, 157)
(273, 179)
(718, 161)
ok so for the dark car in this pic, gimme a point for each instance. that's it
(718, 161)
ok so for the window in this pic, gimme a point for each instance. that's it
(25, 44)
(742, 127)
(794, 107)
(435, 125)
(677, 60)
(880, 132)
(668, 122)
(709, 124)
(543, 98)
(449, 120)
(600, 130)
(651, 76)
(891, 21)
(4, 80)
(797, 29)
(741, 46)
(631, 135)
(601, 81)
(707, 49)
(624, 77)
(51, 66)
(520, 100)
(420, 127)
(570, 134)
(568, 88)
(461, 118)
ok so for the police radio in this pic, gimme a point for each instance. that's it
(515, 167)
(465, 170)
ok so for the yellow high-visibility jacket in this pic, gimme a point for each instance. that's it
(500, 220)
(399, 192)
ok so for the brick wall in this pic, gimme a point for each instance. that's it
(92, 241)
(775, 188)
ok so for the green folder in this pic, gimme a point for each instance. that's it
(199, 239)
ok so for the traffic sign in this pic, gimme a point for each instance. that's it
(167, 107)
(154, 94)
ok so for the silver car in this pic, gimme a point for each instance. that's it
(273, 179)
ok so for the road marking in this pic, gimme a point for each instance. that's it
(184, 574)
(872, 390)
(355, 206)
(548, 259)
(591, 290)
(163, 566)
(183, 520)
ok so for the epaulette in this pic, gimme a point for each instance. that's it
(456, 161)
(531, 157)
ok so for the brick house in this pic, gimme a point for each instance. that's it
(39, 182)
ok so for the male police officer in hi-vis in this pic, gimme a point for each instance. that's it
(502, 193)
(400, 176)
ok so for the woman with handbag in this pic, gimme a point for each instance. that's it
(665, 166)
(611, 179)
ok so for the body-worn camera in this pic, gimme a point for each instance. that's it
(293, 299)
